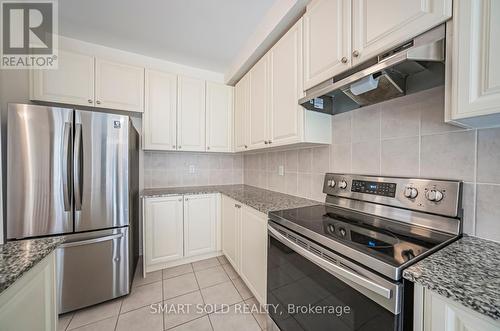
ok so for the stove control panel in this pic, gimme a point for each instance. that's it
(428, 195)
(377, 188)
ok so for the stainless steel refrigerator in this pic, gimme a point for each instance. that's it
(74, 173)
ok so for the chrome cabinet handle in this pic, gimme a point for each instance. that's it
(265, 142)
(333, 268)
(246, 146)
(98, 102)
(67, 164)
(343, 60)
(355, 53)
(237, 206)
(270, 142)
(89, 100)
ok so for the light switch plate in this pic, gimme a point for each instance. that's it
(281, 170)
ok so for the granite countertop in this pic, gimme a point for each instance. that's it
(467, 271)
(18, 257)
(257, 198)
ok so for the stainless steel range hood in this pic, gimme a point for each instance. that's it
(413, 66)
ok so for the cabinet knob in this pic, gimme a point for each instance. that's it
(179, 147)
(343, 60)
(265, 142)
(246, 146)
(98, 102)
(355, 53)
(208, 148)
(180, 199)
(89, 100)
(173, 146)
(237, 206)
(269, 142)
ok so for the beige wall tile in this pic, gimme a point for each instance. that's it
(400, 117)
(341, 158)
(291, 183)
(488, 212)
(366, 157)
(321, 159)
(448, 155)
(488, 156)
(432, 118)
(366, 124)
(469, 207)
(341, 126)
(305, 160)
(292, 160)
(304, 185)
(400, 157)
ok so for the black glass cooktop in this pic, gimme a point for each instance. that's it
(393, 242)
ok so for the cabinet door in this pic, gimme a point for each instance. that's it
(219, 117)
(259, 105)
(31, 302)
(231, 220)
(200, 224)
(254, 251)
(286, 115)
(241, 109)
(72, 82)
(443, 314)
(163, 229)
(119, 86)
(378, 26)
(191, 114)
(475, 70)
(160, 113)
(327, 40)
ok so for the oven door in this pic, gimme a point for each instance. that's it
(311, 288)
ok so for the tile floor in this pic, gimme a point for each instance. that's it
(211, 281)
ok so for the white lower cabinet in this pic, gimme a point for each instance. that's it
(180, 229)
(200, 224)
(163, 230)
(253, 264)
(434, 312)
(231, 230)
(31, 302)
(244, 243)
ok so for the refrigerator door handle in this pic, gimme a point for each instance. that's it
(66, 166)
(78, 167)
(91, 241)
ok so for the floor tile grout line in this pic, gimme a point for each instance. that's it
(183, 323)
(67, 326)
(119, 312)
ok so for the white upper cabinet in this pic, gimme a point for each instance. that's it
(119, 86)
(190, 114)
(286, 115)
(163, 230)
(241, 110)
(327, 40)
(200, 224)
(380, 25)
(259, 103)
(219, 117)
(160, 114)
(72, 82)
(473, 69)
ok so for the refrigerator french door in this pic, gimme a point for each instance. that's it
(68, 174)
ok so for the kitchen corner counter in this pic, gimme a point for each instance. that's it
(257, 198)
(467, 271)
(18, 257)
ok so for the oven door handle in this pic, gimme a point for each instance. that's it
(333, 268)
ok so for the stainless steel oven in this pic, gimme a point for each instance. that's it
(338, 265)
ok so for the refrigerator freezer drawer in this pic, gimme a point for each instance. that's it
(92, 267)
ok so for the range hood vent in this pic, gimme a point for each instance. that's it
(414, 66)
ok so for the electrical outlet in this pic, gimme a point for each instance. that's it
(192, 169)
(281, 170)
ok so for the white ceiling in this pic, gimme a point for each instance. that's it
(206, 34)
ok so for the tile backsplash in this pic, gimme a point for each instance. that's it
(401, 137)
(168, 169)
